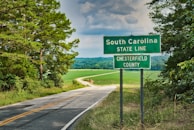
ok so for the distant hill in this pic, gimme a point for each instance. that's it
(157, 63)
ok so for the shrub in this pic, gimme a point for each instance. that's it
(181, 82)
(47, 83)
(178, 84)
(7, 82)
(154, 90)
(57, 79)
(31, 85)
(76, 83)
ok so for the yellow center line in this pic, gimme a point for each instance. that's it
(11, 119)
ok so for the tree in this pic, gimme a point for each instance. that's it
(33, 39)
(17, 23)
(56, 54)
(175, 22)
(16, 35)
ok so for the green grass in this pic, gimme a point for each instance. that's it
(76, 73)
(11, 97)
(106, 116)
(129, 77)
(165, 116)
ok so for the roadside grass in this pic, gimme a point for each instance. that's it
(167, 115)
(11, 97)
(105, 116)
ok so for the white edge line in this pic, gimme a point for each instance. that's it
(75, 118)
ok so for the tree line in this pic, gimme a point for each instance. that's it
(33, 45)
(157, 63)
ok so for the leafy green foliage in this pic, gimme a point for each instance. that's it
(7, 82)
(155, 90)
(17, 64)
(31, 85)
(183, 81)
(33, 42)
(174, 21)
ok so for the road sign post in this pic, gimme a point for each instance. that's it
(141, 98)
(129, 45)
(121, 98)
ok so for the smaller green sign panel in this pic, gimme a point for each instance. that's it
(132, 61)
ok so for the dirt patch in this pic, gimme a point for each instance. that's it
(89, 80)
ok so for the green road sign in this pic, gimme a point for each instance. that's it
(132, 61)
(132, 44)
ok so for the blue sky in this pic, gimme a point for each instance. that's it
(94, 19)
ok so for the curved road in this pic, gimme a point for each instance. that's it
(53, 112)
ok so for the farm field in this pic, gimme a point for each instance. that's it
(129, 77)
(76, 73)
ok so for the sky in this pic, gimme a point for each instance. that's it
(94, 19)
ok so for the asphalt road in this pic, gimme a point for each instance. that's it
(53, 112)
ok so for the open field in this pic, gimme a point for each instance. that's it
(129, 77)
(76, 73)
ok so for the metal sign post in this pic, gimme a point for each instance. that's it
(141, 98)
(121, 98)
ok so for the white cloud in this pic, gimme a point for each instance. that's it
(142, 15)
(87, 7)
(115, 15)
(95, 18)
